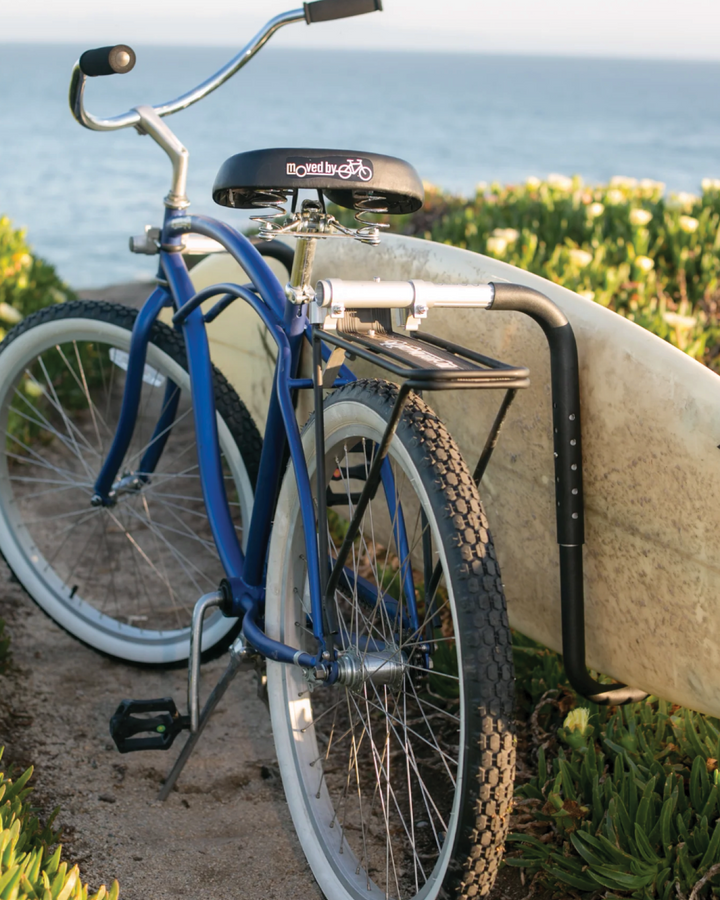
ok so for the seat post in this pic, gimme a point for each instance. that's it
(299, 289)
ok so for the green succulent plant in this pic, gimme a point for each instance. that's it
(629, 800)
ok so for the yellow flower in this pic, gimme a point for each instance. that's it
(615, 196)
(580, 257)
(496, 246)
(710, 184)
(688, 224)
(644, 263)
(640, 216)
(588, 295)
(32, 388)
(679, 321)
(508, 234)
(9, 314)
(577, 720)
(532, 182)
(595, 210)
(683, 200)
(621, 181)
(647, 184)
(560, 182)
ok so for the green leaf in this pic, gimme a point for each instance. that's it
(712, 854)
(667, 832)
(567, 781)
(644, 846)
(576, 881)
(619, 881)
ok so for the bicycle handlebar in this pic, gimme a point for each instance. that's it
(325, 10)
(98, 62)
(117, 60)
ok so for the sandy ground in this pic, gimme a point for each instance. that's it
(225, 832)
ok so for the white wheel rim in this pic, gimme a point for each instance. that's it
(82, 619)
(313, 815)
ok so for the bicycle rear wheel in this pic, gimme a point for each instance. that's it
(400, 778)
(122, 578)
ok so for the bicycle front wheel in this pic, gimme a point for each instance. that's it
(121, 578)
(399, 777)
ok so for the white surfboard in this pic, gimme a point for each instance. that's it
(651, 429)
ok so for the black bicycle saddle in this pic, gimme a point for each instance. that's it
(351, 179)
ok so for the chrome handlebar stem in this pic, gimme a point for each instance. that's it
(147, 118)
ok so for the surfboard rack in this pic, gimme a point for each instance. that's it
(570, 508)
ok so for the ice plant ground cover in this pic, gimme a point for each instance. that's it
(652, 257)
(612, 801)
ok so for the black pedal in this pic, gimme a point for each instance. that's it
(165, 724)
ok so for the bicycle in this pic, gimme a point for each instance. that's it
(365, 579)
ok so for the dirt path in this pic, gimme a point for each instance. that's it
(225, 832)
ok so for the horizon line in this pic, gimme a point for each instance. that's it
(589, 56)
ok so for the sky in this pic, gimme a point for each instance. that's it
(661, 29)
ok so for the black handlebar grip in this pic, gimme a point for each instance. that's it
(117, 60)
(325, 10)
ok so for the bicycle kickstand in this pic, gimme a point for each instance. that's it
(166, 723)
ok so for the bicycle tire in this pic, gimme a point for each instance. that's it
(395, 851)
(121, 579)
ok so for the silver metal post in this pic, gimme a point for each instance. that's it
(208, 601)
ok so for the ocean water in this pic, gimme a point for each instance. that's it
(459, 119)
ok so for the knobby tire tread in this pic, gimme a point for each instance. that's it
(487, 650)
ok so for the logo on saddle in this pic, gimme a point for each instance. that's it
(342, 167)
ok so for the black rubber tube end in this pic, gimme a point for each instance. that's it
(326, 10)
(117, 60)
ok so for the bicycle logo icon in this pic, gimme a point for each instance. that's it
(333, 167)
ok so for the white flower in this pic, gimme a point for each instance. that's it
(620, 181)
(615, 196)
(496, 246)
(9, 314)
(508, 234)
(683, 200)
(481, 187)
(710, 184)
(644, 263)
(679, 321)
(561, 182)
(581, 258)
(688, 224)
(595, 210)
(640, 216)
(533, 182)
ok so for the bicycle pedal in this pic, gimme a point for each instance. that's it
(165, 724)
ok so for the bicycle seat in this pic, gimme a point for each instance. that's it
(349, 178)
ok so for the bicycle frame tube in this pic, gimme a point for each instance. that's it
(131, 397)
(287, 325)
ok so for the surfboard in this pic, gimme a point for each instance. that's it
(651, 429)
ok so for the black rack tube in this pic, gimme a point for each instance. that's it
(570, 518)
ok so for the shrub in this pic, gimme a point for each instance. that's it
(27, 283)
(626, 245)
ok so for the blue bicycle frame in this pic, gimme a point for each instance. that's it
(288, 325)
